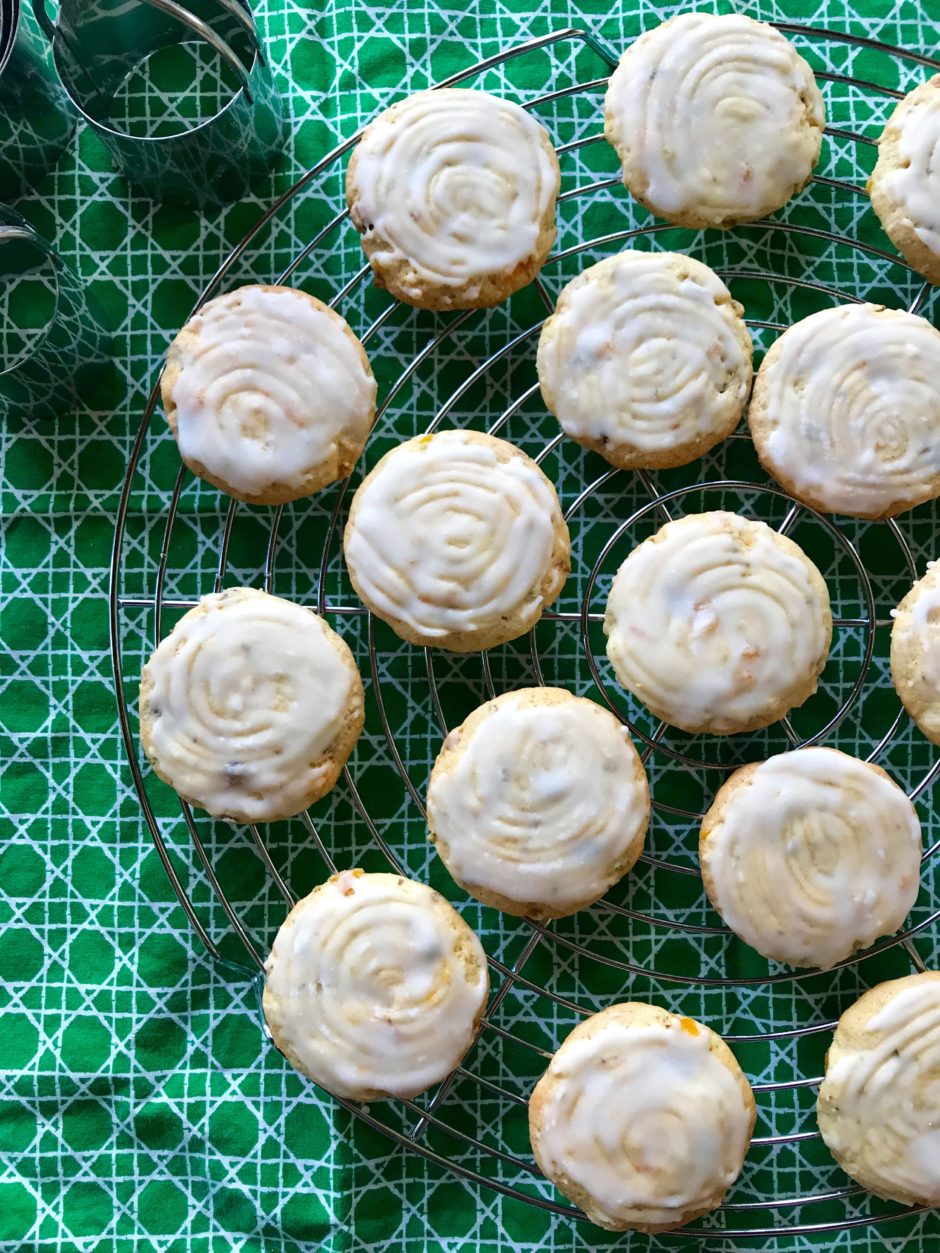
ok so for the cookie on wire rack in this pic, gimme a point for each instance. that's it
(811, 855)
(453, 193)
(905, 184)
(457, 541)
(642, 1118)
(538, 802)
(646, 359)
(374, 986)
(269, 394)
(250, 706)
(879, 1105)
(716, 119)
(718, 623)
(845, 411)
(915, 652)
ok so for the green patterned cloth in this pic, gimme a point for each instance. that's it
(141, 1107)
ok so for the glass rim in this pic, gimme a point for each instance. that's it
(110, 132)
(11, 12)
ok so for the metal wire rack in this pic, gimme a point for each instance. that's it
(653, 936)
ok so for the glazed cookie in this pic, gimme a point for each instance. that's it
(717, 623)
(879, 1106)
(250, 707)
(457, 540)
(646, 359)
(915, 652)
(811, 855)
(269, 394)
(538, 802)
(453, 193)
(905, 184)
(845, 412)
(374, 986)
(643, 1119)
(716, 120)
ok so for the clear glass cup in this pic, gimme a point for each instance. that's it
(36, 119)
(182, 97)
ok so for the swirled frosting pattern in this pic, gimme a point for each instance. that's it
(716, 119)
(915, 652)
(374, 986)
(642, 1118)
(718, 623)
(540, 798)
(925, 618)
(879, 1100)
(250, 706)
(846, 410)
(914, 183)
(457, 537)
(270, 389)
(455, 184)
(811, 855)
(646, 353)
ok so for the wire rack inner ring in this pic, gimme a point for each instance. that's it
(654, 936)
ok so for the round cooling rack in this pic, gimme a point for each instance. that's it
(654, 936)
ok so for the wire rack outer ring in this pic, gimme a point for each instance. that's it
(657, 503)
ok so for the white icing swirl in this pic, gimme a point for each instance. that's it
(243, 702)
(272, 391)
(915, 183)
(716, 119)
(718, 623)
(925, 620)
(811, 855)
(454, 183)
(540, 797)
(374, 986)
(846, 410)
(645, 353)
(879, 1102)
(454, 535)
(643, 1118)
(915, 652)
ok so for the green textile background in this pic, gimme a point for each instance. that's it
(141, 1107)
